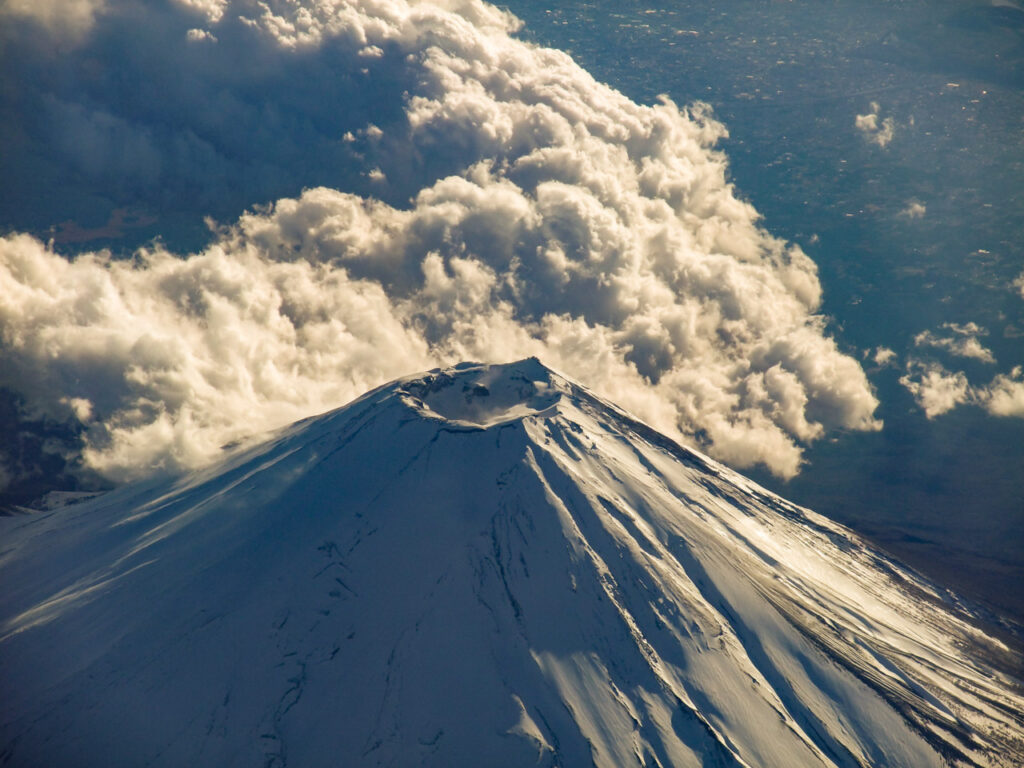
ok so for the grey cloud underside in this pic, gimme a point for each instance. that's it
(135, 114)
(469, 196)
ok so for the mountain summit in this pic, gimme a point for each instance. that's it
(486, 566)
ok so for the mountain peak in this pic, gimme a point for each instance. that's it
(481, 565)
(485, 395)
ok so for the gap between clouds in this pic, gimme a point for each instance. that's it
(549, 216)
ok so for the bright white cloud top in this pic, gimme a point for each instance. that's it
(548, 215)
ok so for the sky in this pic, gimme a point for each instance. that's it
(219, 217)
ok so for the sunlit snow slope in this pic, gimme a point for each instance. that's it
(479, 566)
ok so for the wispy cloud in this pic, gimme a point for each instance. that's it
(959, 340)
(1005, 395)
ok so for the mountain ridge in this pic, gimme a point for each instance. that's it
(481, 565)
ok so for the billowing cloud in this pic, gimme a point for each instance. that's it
(959, 340)
(505, 205)
(165, 359)
(876, 129)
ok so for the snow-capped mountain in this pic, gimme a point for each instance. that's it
(480, 566)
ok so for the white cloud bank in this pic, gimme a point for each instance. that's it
(596, 233)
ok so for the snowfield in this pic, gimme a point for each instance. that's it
(480, 566)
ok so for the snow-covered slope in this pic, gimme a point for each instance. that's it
(481, 566)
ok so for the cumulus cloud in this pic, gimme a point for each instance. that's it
(144, 112)
(959, 340)
(196, 35)
(71, 19)
(936, 390)
(883, 356)
(875, 130)
(166, 359)
(1019, 284)
(211, 10)
(512, 206)
(914, 210)
(1005, 395)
